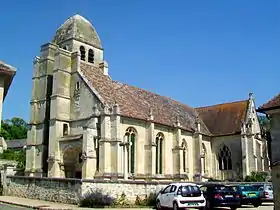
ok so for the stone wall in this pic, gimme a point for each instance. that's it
(70, 191)
(131, 189)
(56, 190)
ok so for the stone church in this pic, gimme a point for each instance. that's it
(83, 124)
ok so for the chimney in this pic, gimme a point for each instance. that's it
(104, 66)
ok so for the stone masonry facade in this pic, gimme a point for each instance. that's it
(85, 125)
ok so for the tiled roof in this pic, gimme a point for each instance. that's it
(7, 72)
(271, 104)
(224, 119)
(137, 103)
(16, 144)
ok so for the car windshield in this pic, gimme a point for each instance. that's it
(224, 188)
(188, 189)
(249, 188)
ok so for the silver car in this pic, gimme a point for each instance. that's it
(266, 193)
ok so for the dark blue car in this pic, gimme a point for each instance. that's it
(218, 195)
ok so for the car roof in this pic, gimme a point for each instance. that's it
(183, 184)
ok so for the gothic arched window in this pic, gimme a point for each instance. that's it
(159, 148)
(90, 56)
(83, 53)
(184, 146)
(225, 161)
(131, 137)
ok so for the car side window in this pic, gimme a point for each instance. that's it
(167, 189)
(173, 188)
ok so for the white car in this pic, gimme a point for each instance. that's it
(181, 196)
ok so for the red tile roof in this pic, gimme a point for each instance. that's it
(271, 104)
(224, 119)
(136, 103)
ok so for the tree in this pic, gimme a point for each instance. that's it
(15, 128)
(18, 156)
(265, 131)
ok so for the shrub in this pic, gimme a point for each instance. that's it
(122, 200)
(149, 200)
(256, 177)
(96, 199)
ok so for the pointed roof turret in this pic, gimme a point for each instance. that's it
(78, 28)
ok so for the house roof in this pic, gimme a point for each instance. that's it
(224, 119)
(137, 103)
(15, 144)
(7, 72)
(273, 103)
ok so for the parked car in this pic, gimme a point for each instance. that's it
(181, 196)
(249, 194)
(219, 195)
(266, 192)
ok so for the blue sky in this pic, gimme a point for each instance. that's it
(198, 52)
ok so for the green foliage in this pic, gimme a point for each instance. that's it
(264, 122)
(18, 156)
(265, 131)
(96, 199)
(122, 200)
(15, 128)
(149, 201)
(256, 177)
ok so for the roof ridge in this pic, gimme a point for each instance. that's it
(220, 104)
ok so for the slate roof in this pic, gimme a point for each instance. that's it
(137, 103)
(224, 119)
(273, 103)
(16, 144)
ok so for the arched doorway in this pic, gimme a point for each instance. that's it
(72, 162)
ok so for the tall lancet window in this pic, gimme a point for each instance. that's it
(185, 156)
(159, 150)
(83, 53)
(225, 161)
(131, 138)
(90, 56)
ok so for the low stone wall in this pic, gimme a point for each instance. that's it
(131, 189)
(49, 189)
(70, 191)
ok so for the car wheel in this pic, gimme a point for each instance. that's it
(208, 205)
(158, 206)
(175, 206)
(256, 204)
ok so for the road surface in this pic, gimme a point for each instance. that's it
(263, 207)
(9, 207)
